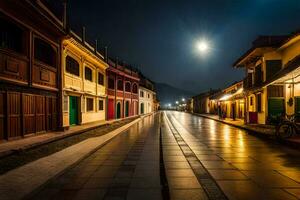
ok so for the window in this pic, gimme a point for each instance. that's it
(258, 75)
(11, 36)
(120, 85)
(89, 104)
(251, 101)
(44, 52)
(127, 87)
(134, 88)
(148, 96)
(101, 107)
(141, 94)
(272, 67)
(100, 78)
(72, 66)
(88, 74)
(258, 102)
(111, 83)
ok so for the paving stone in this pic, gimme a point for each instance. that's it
(188, 194)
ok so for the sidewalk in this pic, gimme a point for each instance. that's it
(18, 183)
(9, 147)
(266, 131)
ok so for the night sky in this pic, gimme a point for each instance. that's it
(158, 36)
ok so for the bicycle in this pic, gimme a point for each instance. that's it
(287, 127)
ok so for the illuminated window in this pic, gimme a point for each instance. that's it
(134, 88)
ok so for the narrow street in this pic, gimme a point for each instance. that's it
(202, 159)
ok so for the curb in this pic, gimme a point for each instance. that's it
(38, 179)
(54, 139)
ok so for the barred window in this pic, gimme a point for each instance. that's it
(72, 66)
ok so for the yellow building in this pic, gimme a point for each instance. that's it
(231, 102)
(271, 88)
(83, 82)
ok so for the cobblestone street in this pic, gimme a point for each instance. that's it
(202, 159)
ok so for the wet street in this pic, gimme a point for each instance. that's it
(176, 155)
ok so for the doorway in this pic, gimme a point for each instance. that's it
(118, 110)
(73, 110)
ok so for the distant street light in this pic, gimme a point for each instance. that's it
(169, 105)
(183, 99)
(177, 102)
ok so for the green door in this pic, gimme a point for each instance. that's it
(127, 109)
(275, 108)
(118, 110)
(73, 111)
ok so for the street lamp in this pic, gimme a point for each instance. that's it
(177, 102)
(183, 99)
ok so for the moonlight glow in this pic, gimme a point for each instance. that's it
(202, 46)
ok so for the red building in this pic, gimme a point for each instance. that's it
(122, 91)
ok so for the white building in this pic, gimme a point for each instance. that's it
(146, 100)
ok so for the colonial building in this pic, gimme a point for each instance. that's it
(30, 71)
(84, 78)
(146, 96)
(201, 102)
(264, 102)
(122, 91)
(231, 102)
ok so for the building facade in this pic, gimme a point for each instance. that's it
(201, 103)
(264, 102)
(30, 71)
(147, 96)
(122, 91)
(231, 102)
(84, 82)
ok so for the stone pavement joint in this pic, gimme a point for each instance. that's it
(213, 191)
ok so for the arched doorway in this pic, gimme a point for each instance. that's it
(118, 110)
(142, 108)
(126, 108)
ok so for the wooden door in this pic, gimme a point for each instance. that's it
(14, 128)
(51, 113)
(40, 113)
(2, 114)
(29, 122)
(110, 109)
